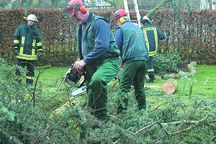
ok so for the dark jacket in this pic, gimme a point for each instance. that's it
(131, 42)
(27, 42)
(152, 35)
(96, 41)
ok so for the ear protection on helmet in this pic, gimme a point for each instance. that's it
(78, 7)
(82, 9)
(121, 20)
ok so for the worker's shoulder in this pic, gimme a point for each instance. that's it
(22, 25)
(35, 28)
(101, 22)
(149, 25)
(100, 19)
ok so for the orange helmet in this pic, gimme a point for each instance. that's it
(118, 14)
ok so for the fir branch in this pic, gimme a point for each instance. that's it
(213, 138)
(44, 131)
(146, 127)
(9, 137)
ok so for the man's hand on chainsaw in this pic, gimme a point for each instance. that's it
(79, 65)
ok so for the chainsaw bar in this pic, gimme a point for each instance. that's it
(78, 91)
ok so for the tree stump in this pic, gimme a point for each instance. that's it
(170, 86)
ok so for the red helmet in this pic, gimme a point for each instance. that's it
(74, 6)
(75, 2)
(117, 14)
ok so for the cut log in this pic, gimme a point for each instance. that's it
(170, 86)
(80, 100)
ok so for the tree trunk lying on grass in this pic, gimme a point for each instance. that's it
(72, 101)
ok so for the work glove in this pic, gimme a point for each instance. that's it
(40, 54)
(16, 51)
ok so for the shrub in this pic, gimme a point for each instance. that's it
(167, 62)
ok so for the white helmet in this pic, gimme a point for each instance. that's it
(31, 17)
(146, 18)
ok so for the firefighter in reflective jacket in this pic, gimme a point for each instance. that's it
(27, 46)
(152, 36)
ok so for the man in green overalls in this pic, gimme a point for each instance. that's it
(134, 54)
(99, 56)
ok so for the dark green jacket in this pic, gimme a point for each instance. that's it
(133, 47)
(93, 48)
(27, 41)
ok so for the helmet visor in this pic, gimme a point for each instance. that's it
(114, 17)
(71, 10)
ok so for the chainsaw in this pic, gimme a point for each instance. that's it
(73, 78)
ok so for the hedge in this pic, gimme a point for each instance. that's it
(192, 34)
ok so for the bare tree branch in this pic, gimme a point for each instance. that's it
(191, 122)
(44, 131)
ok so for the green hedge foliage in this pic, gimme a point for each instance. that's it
(192, 33)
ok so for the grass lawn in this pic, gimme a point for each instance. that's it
(51, 78)
(200, 85)
(205, 81)
(203, 84)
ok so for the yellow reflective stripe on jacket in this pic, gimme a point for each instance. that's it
(16, 41)
(154, 29)
(33, 52)
(39, 43)
(150, 70)
(21, 55)
(27, 57)
(33, 47)
(29, 77)
(22, 45)
(21, 50)
(156, 38)
(146, 38)
(33, 56)
(23, 40)
(33, 43)
(152, 53)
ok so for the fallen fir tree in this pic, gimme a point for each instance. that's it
(167, 119)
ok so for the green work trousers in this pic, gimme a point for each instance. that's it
(133, 74)
(97, 78)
